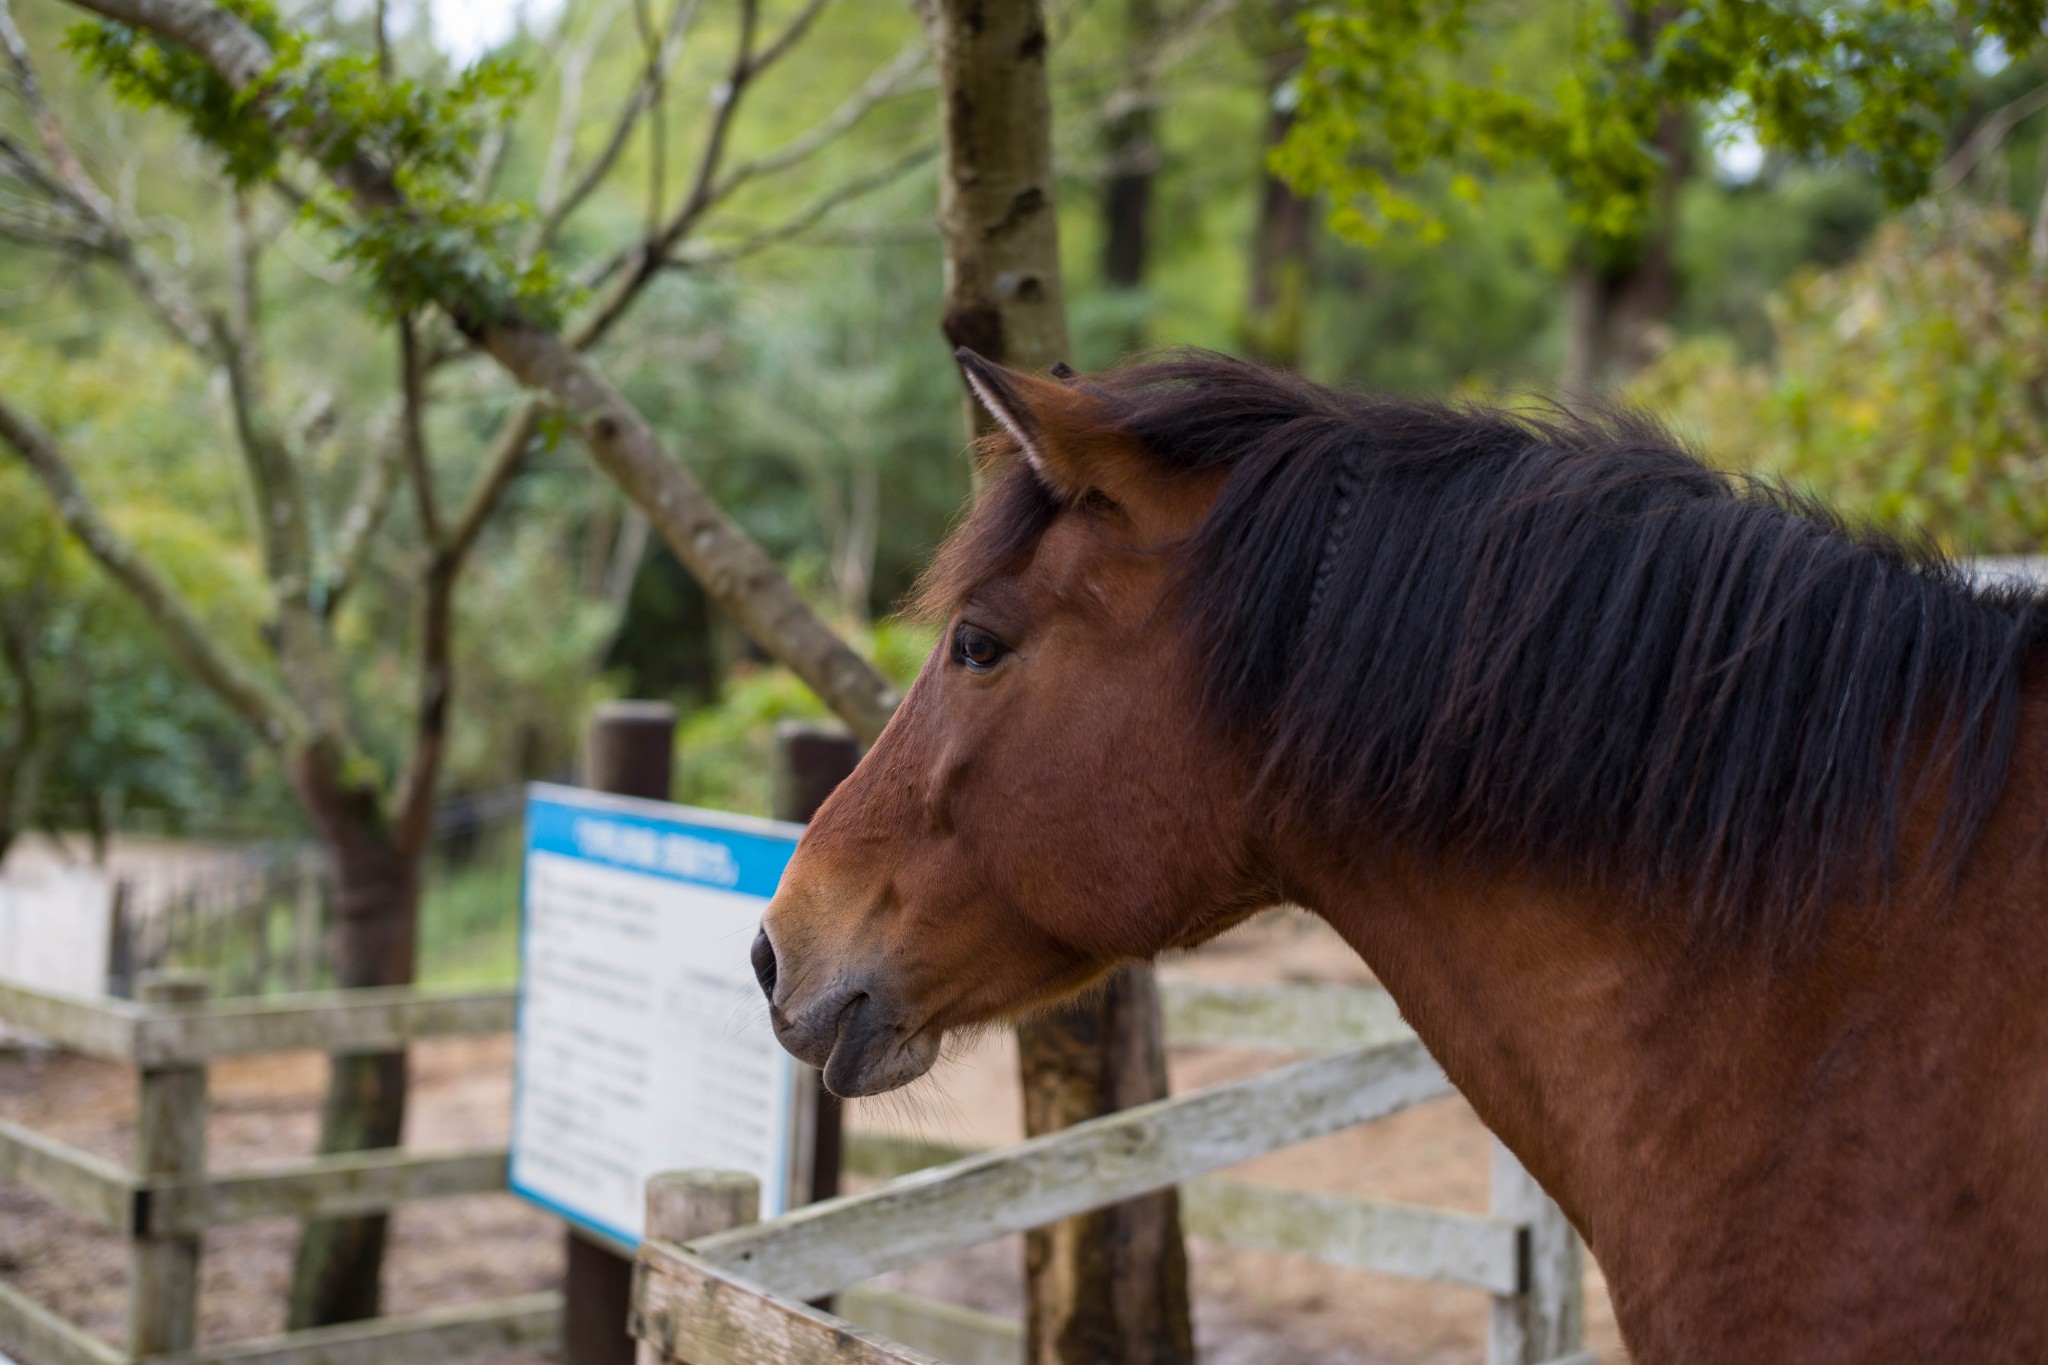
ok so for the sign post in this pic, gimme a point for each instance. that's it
(643, 1043)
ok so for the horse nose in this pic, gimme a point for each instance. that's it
(764, 964)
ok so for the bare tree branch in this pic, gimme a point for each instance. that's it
(282, 525)
(735, 571)
(490, 159)
(727, 98)
(305, 655)
(627, 551)
(909, 71)
(47, 127)
(412, 804)
(87, 219)
(657, 122)
(357, 528)
(682, 17)
(508, 451)
(791, 35)
(1985, 139)
(412, 426)
(274, 717)
(630, 270)
(812, 214)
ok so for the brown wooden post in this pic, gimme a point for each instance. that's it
(683, 1205)
(630, 750)
(170, 1140)
(121, 940)
(810, 760)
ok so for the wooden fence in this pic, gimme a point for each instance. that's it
(166, 1201)
(716, 1287)
(1522, 1253)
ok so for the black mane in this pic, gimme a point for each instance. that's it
(1565, 642)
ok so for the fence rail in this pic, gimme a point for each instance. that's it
(721, 1289)
(1366, 1064)
(163, 1215)
(820, 1248)
(366, 1020)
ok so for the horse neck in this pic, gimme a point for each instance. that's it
(1742, 1133)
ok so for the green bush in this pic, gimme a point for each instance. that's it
(1909, 386)
(722, 750)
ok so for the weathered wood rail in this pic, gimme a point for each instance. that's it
(168, 1199)
(716, 1287)
(1363, 1064)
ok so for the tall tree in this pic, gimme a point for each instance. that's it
(1130, 145)
(407, 170)
(1400, 100)
(1107, 1288)
(1275, 314)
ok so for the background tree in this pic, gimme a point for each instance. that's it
(1392, 94)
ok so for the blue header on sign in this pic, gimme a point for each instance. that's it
(680, 843)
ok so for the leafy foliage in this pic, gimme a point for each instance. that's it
(722, 750)
(151, 73)
(1394, 89)
(339, 108)
(1910, 386)
(115, 730)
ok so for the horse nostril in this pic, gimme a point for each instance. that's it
(764, 964)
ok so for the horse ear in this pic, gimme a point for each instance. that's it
(1068, 435)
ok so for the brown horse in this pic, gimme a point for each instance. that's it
(1674, 813)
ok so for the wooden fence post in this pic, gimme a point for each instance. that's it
(629, 751)
(1547, 1319)
(308, 923)
(683, 1205)
(170, 1140)
(121, 939)
(809, 761)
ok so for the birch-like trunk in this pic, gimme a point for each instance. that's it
(1110, 1287)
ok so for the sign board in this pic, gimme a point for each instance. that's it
(643, 1040)
(56, 930)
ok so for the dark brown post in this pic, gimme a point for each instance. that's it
(630, 750)
(810, 760)
(170, 1140)
(121, 937)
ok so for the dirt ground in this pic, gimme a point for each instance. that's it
(1252, 1308)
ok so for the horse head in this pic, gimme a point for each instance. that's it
(1045, 804)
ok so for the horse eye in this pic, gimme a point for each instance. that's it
(977, 649)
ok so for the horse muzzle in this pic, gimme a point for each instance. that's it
(845, 1030)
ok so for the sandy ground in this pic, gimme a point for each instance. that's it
(1252, 1308)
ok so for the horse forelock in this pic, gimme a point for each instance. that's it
(1559, 640)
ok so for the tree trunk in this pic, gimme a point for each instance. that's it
(1276, 302)
(1112, 1285)
(376, 918)
(1003, 294)
(1109, 1288)
(1619, 300)
(1131, 150)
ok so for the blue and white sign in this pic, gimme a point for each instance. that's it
(644, 1043)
